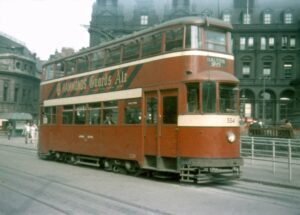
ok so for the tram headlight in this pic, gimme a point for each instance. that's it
(231, 137)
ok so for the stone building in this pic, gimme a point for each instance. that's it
(266, 42)
(19, 84)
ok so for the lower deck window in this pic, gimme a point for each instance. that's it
(68, 114)
(110, 113)
(80, 114)
(133, 112)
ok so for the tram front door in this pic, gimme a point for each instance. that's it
(160, 138)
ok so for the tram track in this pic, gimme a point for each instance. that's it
(269, 194)
(116, 204)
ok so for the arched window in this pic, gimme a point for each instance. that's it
(286, 103)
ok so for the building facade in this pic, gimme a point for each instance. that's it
(266, 45)
(19, 84)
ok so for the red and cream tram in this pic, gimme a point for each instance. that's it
(160, 100)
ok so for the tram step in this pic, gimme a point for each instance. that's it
(88, 163)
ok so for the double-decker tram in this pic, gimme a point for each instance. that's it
(162, 100)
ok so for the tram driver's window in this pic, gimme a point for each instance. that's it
(133, 112)
(110, 113)
(209, 97)
(80, 114)
(193, 97)
(151, 115)
(228, 98)
(170, 110)
(68, 114)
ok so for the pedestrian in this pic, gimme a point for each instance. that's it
(33, 129)
(288, 129)
(288, 124)
(26, 132)
(9, 131)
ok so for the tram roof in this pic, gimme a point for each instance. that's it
(184, 20)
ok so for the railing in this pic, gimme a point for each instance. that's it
(275, 150)
(277, 132)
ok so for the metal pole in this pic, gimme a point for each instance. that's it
(274, 154)
(252, 149)
(290, 160)
(264, 92)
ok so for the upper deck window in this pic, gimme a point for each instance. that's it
(113, 55)
(49, 72)
(193, 37)
(131, 51)
(70, 67)
(97, 59)
(151, 44)
(174, 39)
(215, 41)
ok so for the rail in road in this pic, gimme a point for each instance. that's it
(266, 160)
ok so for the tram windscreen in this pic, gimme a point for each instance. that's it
(228, 98)
(209, 97)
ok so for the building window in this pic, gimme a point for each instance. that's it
(246, 43)
(266, 69)
(288, 18)
(271, 42)
(18, 65)
(144, 20)
(227, 17)
(292, 42)
(287, 70)
(267, 18)
(5, 92)
(263, 43)
(16, 94)
(242, 43)
(246, 18)
(250, 42)
(284, 42)
(246, 69)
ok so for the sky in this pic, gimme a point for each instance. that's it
(47, 25)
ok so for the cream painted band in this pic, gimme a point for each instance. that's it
(124, 94)
(208, 120)
(160, 57)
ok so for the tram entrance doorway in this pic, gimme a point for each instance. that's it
(160, 143)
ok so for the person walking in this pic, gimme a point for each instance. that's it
(27, 132)
(9, 131)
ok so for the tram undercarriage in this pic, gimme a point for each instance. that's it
(190, 170)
